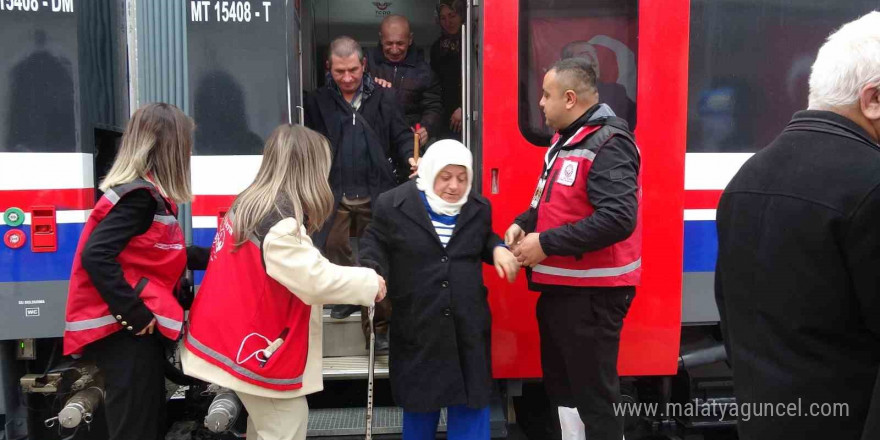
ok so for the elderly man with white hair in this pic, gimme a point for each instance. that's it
(798, 271)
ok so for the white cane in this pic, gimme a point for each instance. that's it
(370, 367)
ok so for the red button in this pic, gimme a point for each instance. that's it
(14, 238)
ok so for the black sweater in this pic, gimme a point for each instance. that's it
(132, 216)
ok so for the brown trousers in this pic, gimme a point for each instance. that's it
(351, 219)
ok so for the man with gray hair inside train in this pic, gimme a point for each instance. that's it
(797, 279)
(581, 242)
(371, 146)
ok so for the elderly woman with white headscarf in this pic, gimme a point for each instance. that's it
(428, 238)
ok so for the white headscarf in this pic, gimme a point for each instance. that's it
(443, 153)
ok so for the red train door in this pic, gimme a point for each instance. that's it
(642, 49)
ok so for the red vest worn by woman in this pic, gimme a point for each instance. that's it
(245, 322)
(152, 263)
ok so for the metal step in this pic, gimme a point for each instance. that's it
(351, 421)
(354, 367)
(343, 337)
(338, 422)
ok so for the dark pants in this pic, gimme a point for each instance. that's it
(134, 384)
(580, 339)
(350, 220)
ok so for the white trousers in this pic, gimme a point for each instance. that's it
(572, 425)
(275, 419)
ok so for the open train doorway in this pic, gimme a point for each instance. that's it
(439, 38)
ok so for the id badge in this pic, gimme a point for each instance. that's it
(539, 191)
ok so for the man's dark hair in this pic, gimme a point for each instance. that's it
(575, 74)
(455, 5)
(344, 46)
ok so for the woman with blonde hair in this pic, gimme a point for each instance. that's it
(255, 326)
(130, 257)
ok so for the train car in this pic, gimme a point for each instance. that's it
(690, 76)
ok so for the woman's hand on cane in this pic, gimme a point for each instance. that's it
(383, 289)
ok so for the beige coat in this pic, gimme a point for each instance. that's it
(298, 265)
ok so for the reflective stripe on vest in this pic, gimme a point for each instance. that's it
(165, 219)
(588, 273)
(89, 324)
(238, 368)
(169, 323)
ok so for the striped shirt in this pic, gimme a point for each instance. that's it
(443, 224)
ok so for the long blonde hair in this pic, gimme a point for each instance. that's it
(156, 146)
(293, 175)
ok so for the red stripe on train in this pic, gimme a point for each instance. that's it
(61, 199)
(702, 199)
(211, 205)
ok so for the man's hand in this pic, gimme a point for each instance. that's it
(382, 82)
(423, 136)
(505, 263)
(414, 167)
(455, 121)
(529, 251)
(148, 329)
(383, 289)
(514, 235)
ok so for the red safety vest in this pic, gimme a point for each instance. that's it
(565, 200)
(245, 322)
(152, 263)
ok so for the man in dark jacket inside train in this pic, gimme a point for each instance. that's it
(798, 272)
(404, 69)
(371, 145)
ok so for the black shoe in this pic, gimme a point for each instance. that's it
(381, 343)
(342, 311)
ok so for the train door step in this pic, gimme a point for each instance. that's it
(332, 422)
(341, 422)
(343, 337)
(354, 367)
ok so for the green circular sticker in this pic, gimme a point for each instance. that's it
(13, 217)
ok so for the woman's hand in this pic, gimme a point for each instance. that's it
(383, 289)
(505, 263)
(148, 329)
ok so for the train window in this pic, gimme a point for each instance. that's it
(737, 101)
(602, 31)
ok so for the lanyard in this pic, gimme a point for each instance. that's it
(549, 160)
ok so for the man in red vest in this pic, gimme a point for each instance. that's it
(581, 242)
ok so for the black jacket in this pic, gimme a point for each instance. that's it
(612, 189)
(798, 276)
(390, 139)
(130, 217)
(416, 86)
(440, 339)
(446, 63)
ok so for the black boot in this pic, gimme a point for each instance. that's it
(342, 311)
(381, 343)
